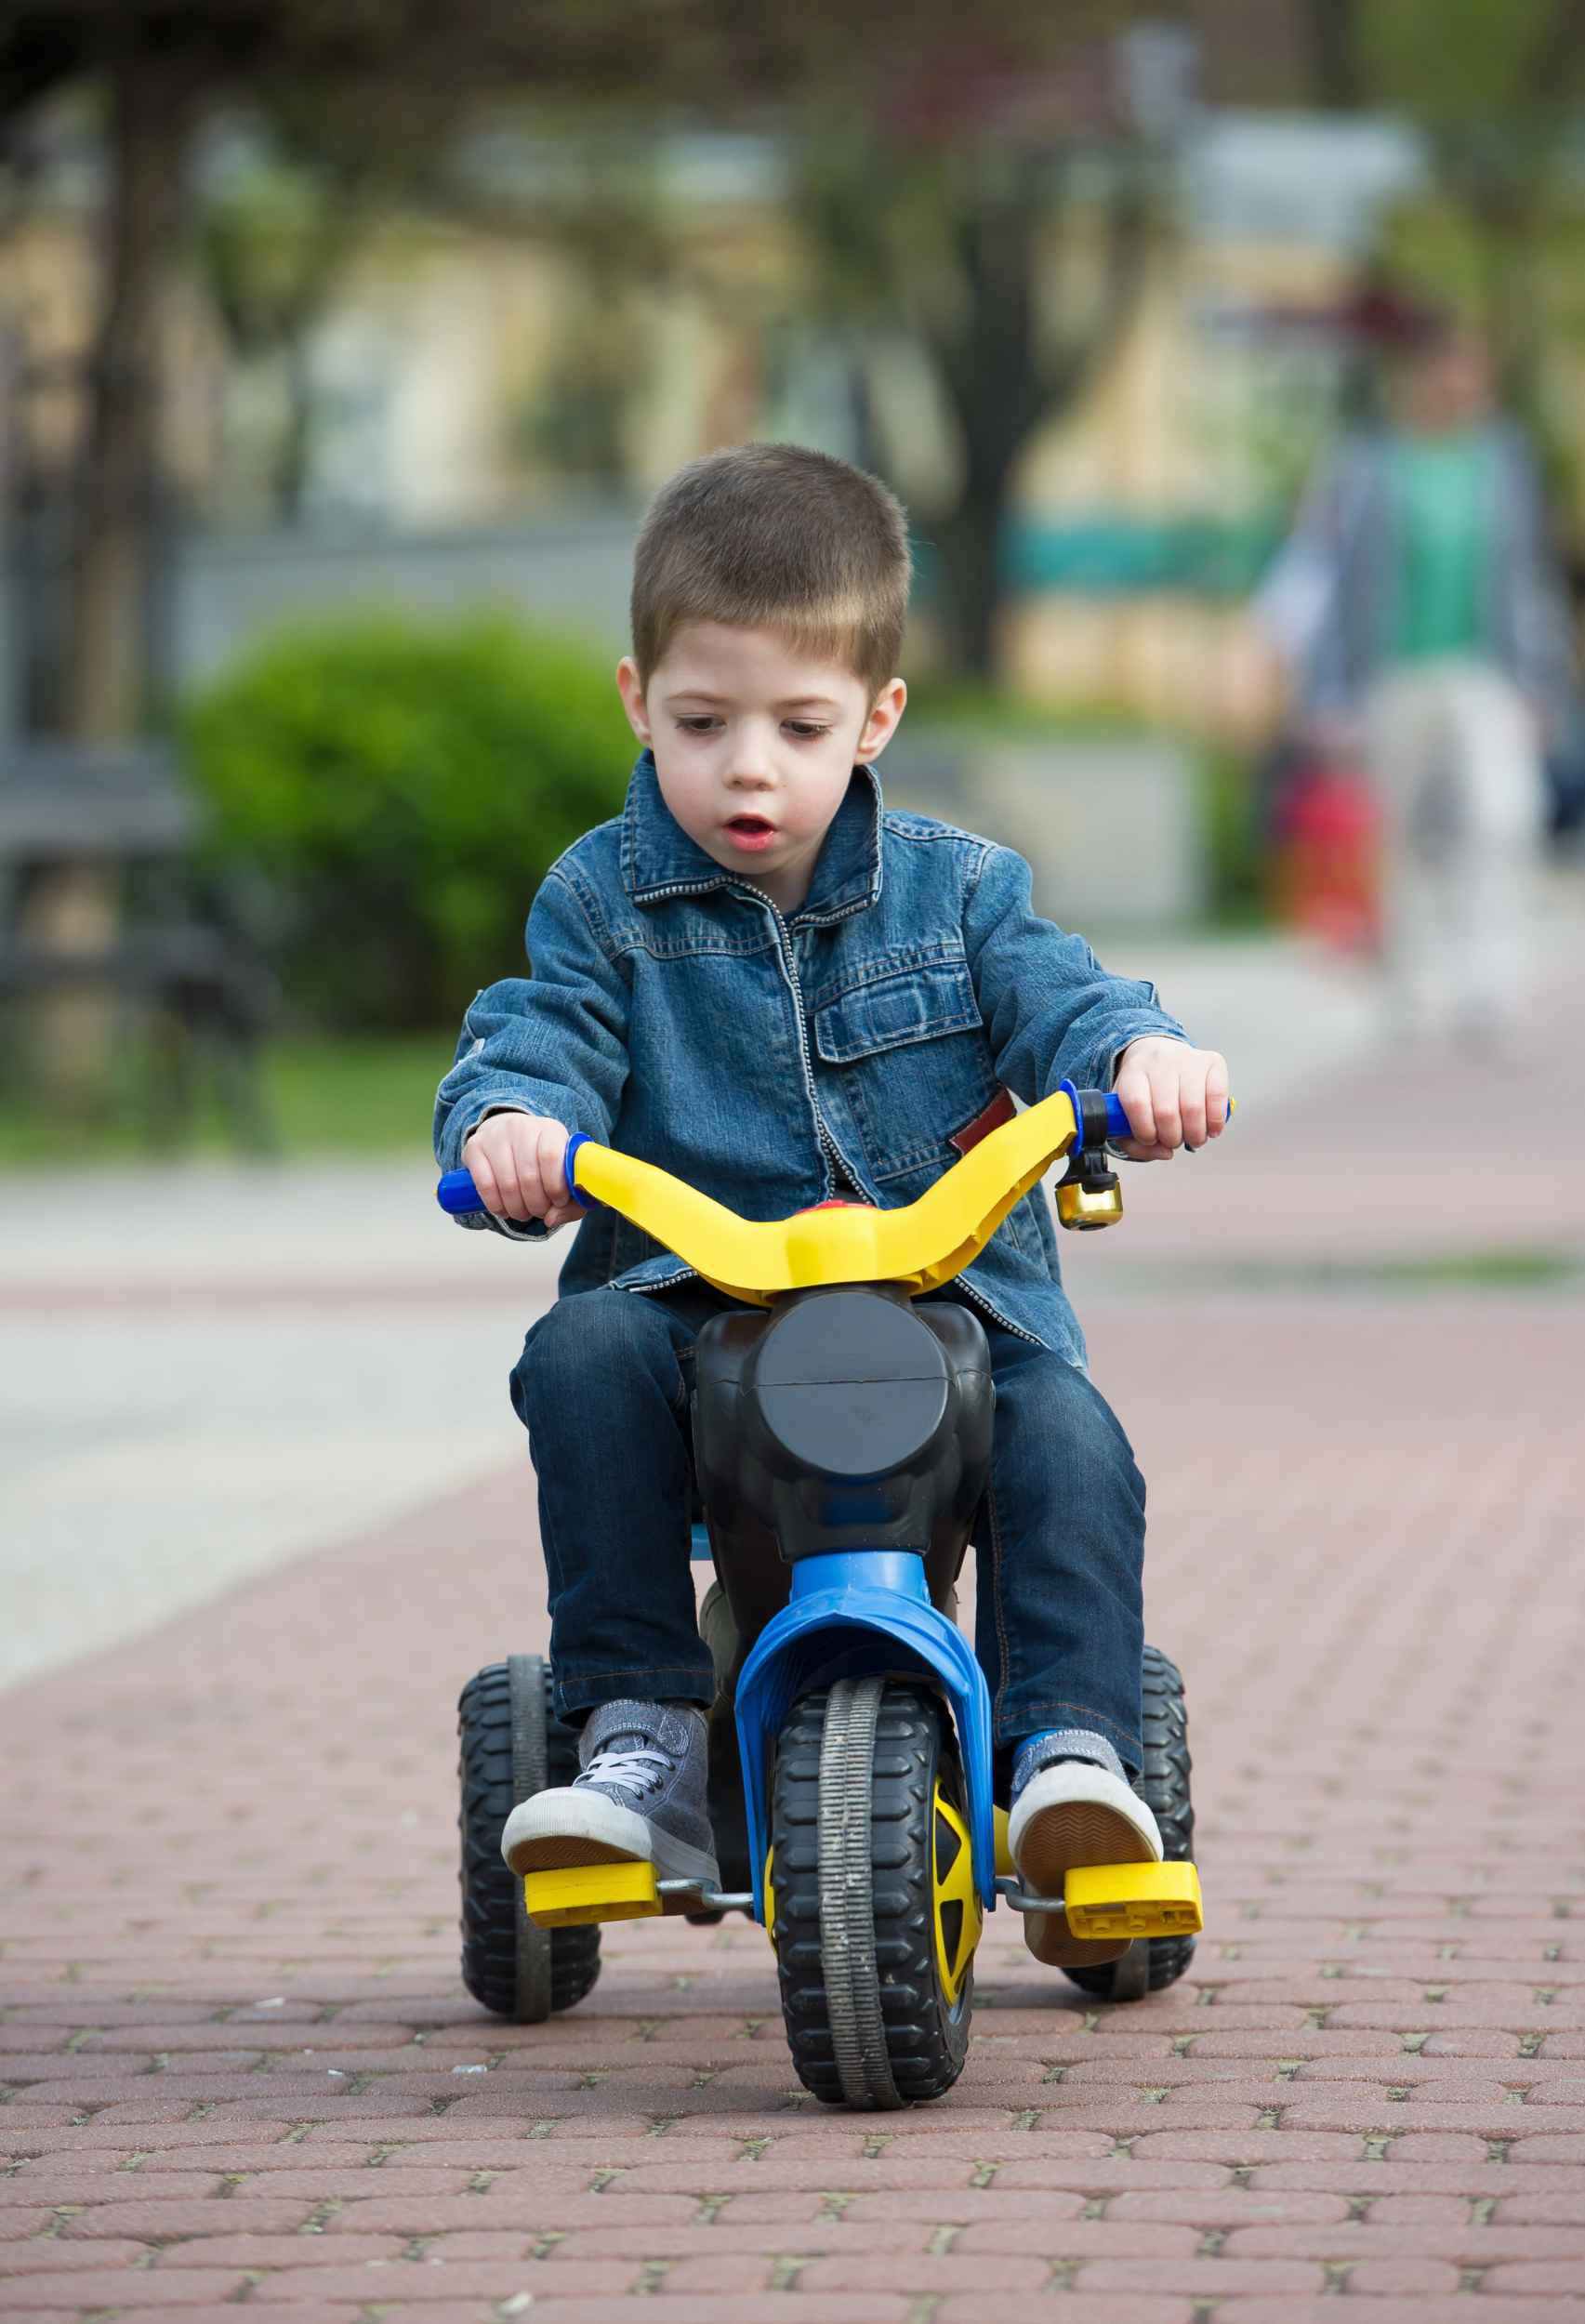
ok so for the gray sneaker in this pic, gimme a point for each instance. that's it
(640, 1797)
(1069, 1807)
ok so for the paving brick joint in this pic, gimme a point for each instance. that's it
(238, 2069)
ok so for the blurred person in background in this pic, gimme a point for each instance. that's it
(1425, 632)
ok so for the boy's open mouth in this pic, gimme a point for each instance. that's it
(752, 831)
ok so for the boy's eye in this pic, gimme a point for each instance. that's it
(804, 729)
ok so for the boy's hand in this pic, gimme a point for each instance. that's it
(516, 1161)
(1173, 1096)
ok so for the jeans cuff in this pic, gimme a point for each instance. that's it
(1014, 1727)
(576, 1698)
(1053, 1743)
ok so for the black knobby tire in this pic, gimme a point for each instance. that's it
(510, 1745)
(1164, 1785)
(852, 1823)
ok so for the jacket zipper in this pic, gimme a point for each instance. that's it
(831, 1156)
(828, 1144)
(830, 1152)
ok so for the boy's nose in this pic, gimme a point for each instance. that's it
(752, 748)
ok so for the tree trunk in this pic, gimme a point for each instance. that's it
(111, 543)
(990, 368)
(72, 907)
(1333, 30)
(970, 591)
(1003, 387)
(292, 461)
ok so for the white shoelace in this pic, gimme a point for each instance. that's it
(637, 1770)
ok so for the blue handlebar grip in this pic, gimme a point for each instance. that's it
(1117, 1121)
(458, 1193)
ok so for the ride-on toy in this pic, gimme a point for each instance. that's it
(842, 1443)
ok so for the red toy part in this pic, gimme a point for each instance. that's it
(1326, 874)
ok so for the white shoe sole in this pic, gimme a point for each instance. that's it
(555, 1830)
(1068, 1815)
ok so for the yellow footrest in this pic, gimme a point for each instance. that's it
(1130, 1900)
(572, 1897)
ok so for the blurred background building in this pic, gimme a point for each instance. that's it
(380, 323)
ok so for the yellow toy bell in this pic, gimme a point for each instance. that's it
(1089, 1193)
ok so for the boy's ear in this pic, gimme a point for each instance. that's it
(881, 723)
(631, 687)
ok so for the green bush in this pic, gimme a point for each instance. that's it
(404, 785)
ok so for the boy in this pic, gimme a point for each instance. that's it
(760, 980)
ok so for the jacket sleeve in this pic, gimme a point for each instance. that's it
(1051, 1011)
(554, 1042)
(1299, 603)
(1541, 626)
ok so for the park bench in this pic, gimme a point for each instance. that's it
(178, 952)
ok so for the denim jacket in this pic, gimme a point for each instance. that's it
(772, 1061)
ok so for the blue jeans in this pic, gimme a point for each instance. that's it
(602, 1387)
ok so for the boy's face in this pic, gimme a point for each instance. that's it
(754, 745)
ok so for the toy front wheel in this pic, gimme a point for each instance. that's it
(874, 1917)
(511, 1745)
(1152, 1962)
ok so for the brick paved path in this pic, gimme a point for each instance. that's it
(238, 2069)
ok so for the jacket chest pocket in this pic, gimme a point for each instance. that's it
(912, 1058)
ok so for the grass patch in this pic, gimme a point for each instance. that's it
(372, 1094)
(1516, 1269)
(970, 706)
(357, 1097)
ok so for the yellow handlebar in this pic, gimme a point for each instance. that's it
(920, 1246)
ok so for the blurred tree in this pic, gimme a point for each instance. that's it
(273, 240)
(1497, 87)
(959, 151)
(991, 198)
(389, 77)
(378, 77)
(1002, 220)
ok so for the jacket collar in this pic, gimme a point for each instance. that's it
(659, 858)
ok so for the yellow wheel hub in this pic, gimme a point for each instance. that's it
(955, 1913)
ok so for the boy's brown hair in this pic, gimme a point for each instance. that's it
(776, 535)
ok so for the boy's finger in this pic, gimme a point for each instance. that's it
(518, 1173)
(1134, 1095)
(551, 1159)
(485, 1180)
(1216, 1097)
(1165, 1106)
(1191, 1105)
(517, 1188)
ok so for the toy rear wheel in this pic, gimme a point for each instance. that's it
(874, 1916)
(511, 1745)
(1153, 1963)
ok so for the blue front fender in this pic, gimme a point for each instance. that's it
(859, 1614)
